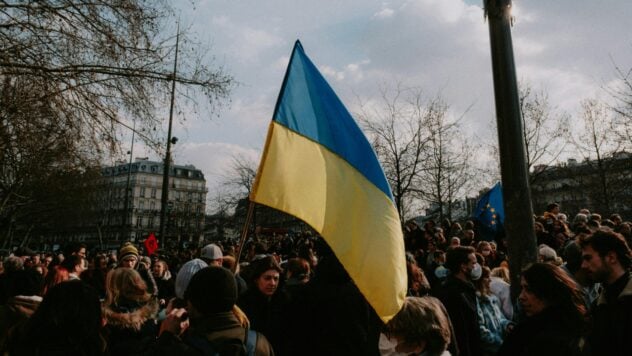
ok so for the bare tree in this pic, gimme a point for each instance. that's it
(237, 183)
(594, 141)
(447, 161)
(621, 92)
(545, 130)
(73, 72)
(397, 129)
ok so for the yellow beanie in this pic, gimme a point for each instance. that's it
(126, 250)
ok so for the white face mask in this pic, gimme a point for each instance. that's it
(486, 253)
(476, 273)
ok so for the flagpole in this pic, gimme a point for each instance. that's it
(244, 232)
(514, 171)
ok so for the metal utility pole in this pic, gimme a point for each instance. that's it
(165, 174)
(129, 174)
(513, 164)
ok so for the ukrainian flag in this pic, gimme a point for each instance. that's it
(318, 166)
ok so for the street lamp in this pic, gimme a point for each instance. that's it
(170, 140)
(129, 174)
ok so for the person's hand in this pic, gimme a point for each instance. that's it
(177, 322)
(509, 328)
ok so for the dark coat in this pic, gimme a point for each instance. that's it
(218, 329)
(459, 299)
(266, 315)
(550, 333)
(611, 327)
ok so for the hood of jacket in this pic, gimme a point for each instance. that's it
(130, 318)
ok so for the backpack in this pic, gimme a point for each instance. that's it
(224, 346)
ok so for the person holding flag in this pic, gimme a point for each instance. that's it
(318, 166)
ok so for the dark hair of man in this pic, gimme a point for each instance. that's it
(456, 256)
(604, 241)
(553, 285)
(552, 206)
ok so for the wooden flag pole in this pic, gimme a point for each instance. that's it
(244, 232)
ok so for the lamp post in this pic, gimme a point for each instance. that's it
(129, 174)
(165, 174)
(513, 164)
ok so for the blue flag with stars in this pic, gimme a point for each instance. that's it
(489, 212)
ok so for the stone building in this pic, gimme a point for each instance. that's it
(603, 186)
(135, 215)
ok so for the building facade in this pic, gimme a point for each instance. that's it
(603, 186)
(133, 216)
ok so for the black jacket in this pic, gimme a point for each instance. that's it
(611, 326)
(550, 333)
(459, 299)
(217, 330)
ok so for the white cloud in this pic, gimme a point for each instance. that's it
(384, 13)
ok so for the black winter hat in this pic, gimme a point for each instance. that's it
(212, 290)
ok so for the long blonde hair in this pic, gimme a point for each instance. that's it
(125, 283)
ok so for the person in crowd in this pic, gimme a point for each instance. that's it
(96, 274)
(606, 258)
(67, 322)
(593, 225)
(335, 318)
(421, 327)
(185, 274)
(492, 322)
(11, 265)
(56, 275)
(75, 249)
(130, 312)
(298, 272)
(128, 257)
(468, 237)
(579, 225)
(164, 281)
(437, 271)
(229, 262)
(554, 314)
(74, 265)
(485, 249)
(543, 236)
(551, 212)
(265, 302)
(418, 284)
(548, 255)
(500, 286)
(561, 234)
(625, 229)
(458, 294)
(213, 327)
(212, 255)
(24, 287)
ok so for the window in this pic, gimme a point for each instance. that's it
(153, 192)
(142, 191)
(139, 221)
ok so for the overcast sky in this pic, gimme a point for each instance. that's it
(566, 47)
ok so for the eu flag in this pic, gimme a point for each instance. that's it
(489, 212)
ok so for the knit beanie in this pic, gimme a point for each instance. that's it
(127, 250)
(212, 290)
(185, 273)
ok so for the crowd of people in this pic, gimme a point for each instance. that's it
(289, 295)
